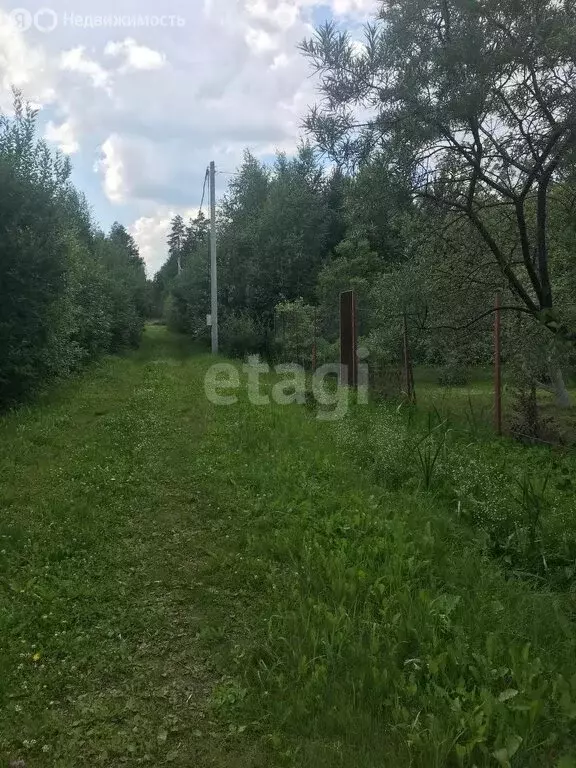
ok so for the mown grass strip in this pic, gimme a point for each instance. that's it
(103, 542)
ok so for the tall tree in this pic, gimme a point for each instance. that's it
(478, 102)
(239, 233)
(176, 241)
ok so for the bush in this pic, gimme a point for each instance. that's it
(241, 335)
(453, 375)
(187, 305)
(295, 333)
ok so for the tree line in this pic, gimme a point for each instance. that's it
(440, 171)
(69, 293)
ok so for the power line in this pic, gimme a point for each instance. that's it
(204, 190)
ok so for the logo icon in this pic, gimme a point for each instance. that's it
(22, 18)
(46, 20)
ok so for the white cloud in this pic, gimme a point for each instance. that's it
(280, 61)
(63, 135)
(22, 66)
(151, 234)
(282, 15)
(136, 57)
(359, 8)
(260, 41)
(112, 166)
(75, 60)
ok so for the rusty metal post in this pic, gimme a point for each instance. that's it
(348, 340)
(497, 367)
(406, 363)
(408, 369)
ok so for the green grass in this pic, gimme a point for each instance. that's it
(471, 406)
(195, 585)
(105, 536)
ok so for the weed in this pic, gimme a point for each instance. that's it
(533, 503)
(430, 447)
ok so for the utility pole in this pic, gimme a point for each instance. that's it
(213, 267)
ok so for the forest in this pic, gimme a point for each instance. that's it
(437, 171)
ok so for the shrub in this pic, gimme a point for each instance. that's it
(453, 375)
(241, 335)
(296, 331)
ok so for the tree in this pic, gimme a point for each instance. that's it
(354, 267)
(67, 293)
(477, 102)
(378, 200)
(278, 229)
(239, 233)
(443, 287)
(294, 231)
(176, 240)
(189, 289)
(126, 285)
(32, 280)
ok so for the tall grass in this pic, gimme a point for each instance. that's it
(389, 631)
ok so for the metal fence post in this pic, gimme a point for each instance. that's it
(497, 367)
(348, 340)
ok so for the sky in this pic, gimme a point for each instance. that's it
(142, 94)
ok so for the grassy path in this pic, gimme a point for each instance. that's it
(188, 585)
(105, 533)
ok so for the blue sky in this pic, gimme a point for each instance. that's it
(143, 94)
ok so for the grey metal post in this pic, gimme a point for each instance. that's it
(213, 266)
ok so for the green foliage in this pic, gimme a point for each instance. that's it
(430, 448)
(181, 289)
(276, 229)
(453, 375)
(33, 280)
(354, 267)
(472, 105)
(384, 634)
(242, 335)
(518, 497)
(67, 294)
(453, 180)
(297, 329)
(95, 617)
